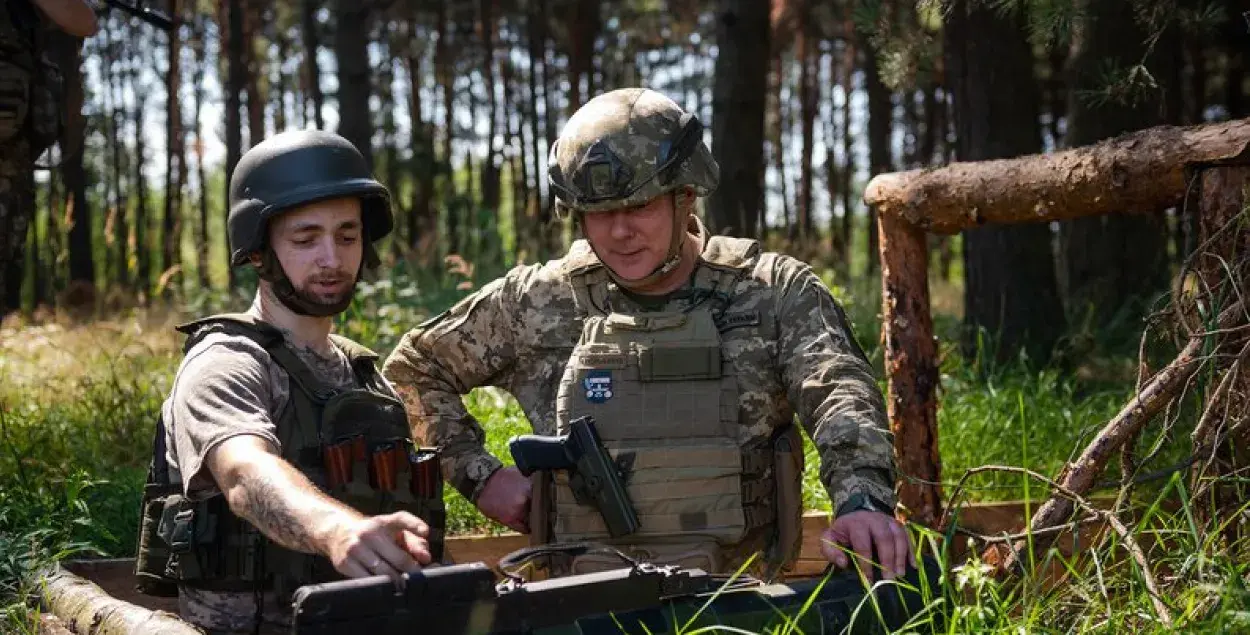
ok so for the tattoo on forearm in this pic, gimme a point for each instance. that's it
(267, 504)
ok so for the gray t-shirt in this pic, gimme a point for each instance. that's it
(226, 386)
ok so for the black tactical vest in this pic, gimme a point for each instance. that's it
(354, 444)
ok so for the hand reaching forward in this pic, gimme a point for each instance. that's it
(861, 532)
(391, 545)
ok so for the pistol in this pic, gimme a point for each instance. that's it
(593, 475)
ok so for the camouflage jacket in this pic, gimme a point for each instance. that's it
(791, 345)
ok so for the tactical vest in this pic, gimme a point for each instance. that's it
(665, 399)
(354, 444)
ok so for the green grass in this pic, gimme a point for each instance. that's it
(78, 406)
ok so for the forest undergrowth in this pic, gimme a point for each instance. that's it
(78, 403)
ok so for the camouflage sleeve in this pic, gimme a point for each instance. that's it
(832, 388)
(468, 346)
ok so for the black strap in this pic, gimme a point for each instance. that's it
(572, 550)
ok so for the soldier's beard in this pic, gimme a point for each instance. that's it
(302, 301)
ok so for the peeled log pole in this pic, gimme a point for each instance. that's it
(85, 607)
(912, 366)
(1141, 171)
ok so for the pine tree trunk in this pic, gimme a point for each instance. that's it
(235, 82)
(1106, 262)
(282, 85)
(584, 24)
(446, 74)
(312, 70)
(997, 103)
(546, 218)
(421, 221)
(880, 120)
(143, 247)
(848, 146)
(175, 154)
(809, 94)
(536, 49)
(351, 41)
(121, 229)
(201, 179)
(1237, 41)
(66, 54)
(255, 101)
(739, 98)
(778, 145)
(490, 167)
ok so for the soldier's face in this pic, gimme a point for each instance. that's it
(632, 241)
(320, 247)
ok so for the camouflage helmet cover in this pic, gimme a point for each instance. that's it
(626, 147)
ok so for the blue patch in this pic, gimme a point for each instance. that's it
(598, 386)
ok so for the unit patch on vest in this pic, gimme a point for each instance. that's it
(598, 385)
(731, 321)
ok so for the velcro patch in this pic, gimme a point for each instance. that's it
(730, 321)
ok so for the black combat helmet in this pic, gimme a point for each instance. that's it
(295, 168)
(292, 169)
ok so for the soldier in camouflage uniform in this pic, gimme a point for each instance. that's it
(694, 353)
(30, 116)
(280, 446)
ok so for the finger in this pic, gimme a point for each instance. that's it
(902, 548)
(416, 546)
(390, 559)
(883, 538)
(353, 568)
(861, 543)
(829, 549)
(408, 522)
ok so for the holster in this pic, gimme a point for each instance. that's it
(788, 482)
(540, 520)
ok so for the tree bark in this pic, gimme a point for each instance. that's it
(255, 101)
(312, 70)
(446, 76)
(351, 40)
(66, 53)
(421, 221)
(491, 168)
(848, 145)
(912, 367)
(1141, 170)
(584, 24)
(537, 48)
(997, 108)
(143, 251)
(779, 140)
(808, 49)
(201, 179)
(175, 154)
(1237, 42)
(235, 82)
(121, 229)
(738, 102)
(880, 120)
(1106, 262)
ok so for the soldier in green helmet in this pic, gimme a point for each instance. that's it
(695, 354)
(283, 457)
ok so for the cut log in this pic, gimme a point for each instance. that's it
(1143, 171)
(912, 365)
(86, 608)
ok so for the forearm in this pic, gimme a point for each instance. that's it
(284, 505)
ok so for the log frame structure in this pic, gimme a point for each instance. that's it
(1147, 170)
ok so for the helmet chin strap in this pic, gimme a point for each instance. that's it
(271, 271)
(671, 261)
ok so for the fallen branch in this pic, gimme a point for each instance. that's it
(85, 607)
(1079, 476)
(1112, 520)
(1139, 172)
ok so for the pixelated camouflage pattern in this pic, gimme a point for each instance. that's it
(786, 336)
(637, 125)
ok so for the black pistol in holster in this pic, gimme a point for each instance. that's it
(593, 475)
